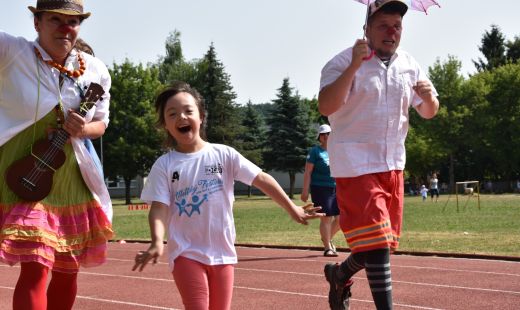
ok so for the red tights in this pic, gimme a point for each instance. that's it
(30, 289)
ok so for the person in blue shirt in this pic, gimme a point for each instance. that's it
(322, 187)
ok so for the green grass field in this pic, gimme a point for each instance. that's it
(494, 229)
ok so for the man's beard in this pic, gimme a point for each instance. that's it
(384, 54)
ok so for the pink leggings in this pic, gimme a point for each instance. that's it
(203, 287)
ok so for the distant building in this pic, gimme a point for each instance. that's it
(116, 187)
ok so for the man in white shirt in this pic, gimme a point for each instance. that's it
(367, 101)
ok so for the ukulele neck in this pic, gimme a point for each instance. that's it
(61, 136)
(59, 139)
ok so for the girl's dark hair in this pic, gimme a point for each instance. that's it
(163, 97)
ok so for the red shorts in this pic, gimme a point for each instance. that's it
(371, 210)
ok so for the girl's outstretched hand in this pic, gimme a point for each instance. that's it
(143, 257)
(307, 212)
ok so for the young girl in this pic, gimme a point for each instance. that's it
(191, 194)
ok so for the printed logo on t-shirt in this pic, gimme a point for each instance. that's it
(189, 200)
(193, 206)
(213, 169)
(175, 176)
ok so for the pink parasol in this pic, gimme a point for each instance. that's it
(417, 5)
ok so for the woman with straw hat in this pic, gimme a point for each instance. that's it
(42, 86)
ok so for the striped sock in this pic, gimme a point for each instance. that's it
(354, 263)
(380, 277)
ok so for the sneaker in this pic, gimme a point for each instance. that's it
(330, 253)
(332, 246)
(339, 293)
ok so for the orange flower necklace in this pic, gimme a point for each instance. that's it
(71, 73)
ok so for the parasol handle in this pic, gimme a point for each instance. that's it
(372, 53)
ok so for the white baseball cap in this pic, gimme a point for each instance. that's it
(323, 129)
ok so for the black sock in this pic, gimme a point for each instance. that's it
(354, 263)
(377, 265)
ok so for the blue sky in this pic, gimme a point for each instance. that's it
(262, 42)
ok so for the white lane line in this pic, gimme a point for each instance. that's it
(302, 274)
(394, 281)
(125, 303)
(498, 261)
(131, 260)
(396, 266)
(259, 289)
(240, 287)
(460, 270)
(110, 301)
(325, 297)
(320, 261)
(459, 287)
(393, 266)
(362, 278)
(122, 276)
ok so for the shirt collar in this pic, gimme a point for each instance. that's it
(392, 58)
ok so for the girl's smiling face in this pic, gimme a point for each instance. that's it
(182, 120)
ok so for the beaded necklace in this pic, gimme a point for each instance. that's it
(70, 73)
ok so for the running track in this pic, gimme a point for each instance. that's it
(292, 279)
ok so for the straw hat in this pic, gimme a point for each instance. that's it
(66, 7)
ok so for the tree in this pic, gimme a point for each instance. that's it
(513, 50)
(315, 115)
(132, 142)
(494, 50)
(252, 138)
(443, 136)
(289, 134)
(215, 87)
(502, 115)
(474, 159)
(173, 66)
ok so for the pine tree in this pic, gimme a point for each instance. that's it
(252, 137)
(289, 134)
(493, 48)
(513, 50)
(215, 87)
(173, 66)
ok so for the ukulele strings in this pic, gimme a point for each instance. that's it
(57, 143)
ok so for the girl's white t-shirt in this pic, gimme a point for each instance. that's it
(198, 188)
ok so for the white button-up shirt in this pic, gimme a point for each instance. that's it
(29, 89)
(20, 71)
(370, 128)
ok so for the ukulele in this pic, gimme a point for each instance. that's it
(30, 178)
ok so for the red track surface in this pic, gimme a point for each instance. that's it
(292, 279)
